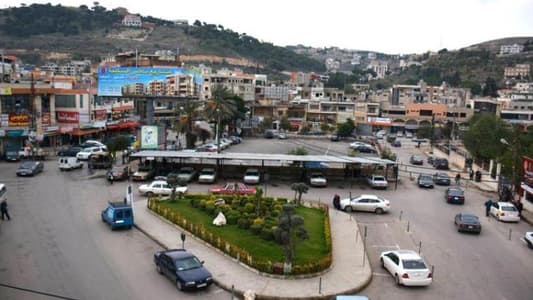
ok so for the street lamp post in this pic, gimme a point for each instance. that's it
(218, 130)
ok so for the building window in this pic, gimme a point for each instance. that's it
(66, 101)
(15, 103)
(81, 101)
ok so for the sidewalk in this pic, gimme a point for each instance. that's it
(347, 274)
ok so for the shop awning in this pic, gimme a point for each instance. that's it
(80, 132)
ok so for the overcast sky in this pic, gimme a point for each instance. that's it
(389, 26)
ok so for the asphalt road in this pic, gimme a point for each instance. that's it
(57, 244)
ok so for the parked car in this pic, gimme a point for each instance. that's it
(365, 149)
(143, 173)
(318, 179)
(416, 160)
(441, 178)
(440, 163)
(528, 239)
(356, 145)
(252, 176)
(430, 159)
(207, 148)
(69, 163)
(86, 152)
(70, 151)
(92, 143)
(233, 188)
(399, 134)
(454, 195)
(118, 173)
(504, 211)
(409, 135)
(100, 161)
(160, 187)
(407, 267)
(184, 269)
(207, 175)
(371, 203)
(269, 134)
(425, 180)
(118, 215)
(467, 222)
(186, 174)
(235, 139)
(30, 168)
(377, 181)
(334, 138)
(282, 136)
(396, 143)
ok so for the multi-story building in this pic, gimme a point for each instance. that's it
(518, 71)
(132, 21)
(511, 49)
(238, 83)
(182, 85)
(380, 68)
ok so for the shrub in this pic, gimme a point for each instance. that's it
(203, 204)
(243, 223)
(257, 225)
(267, 233)
(249, 208)
(233, 217)
(275, 213)
(282, 200)
(210, 208)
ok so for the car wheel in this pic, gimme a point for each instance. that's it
(382, 263)
(379, 210)
(178, 285)
(158, 268)
(149, 194)
(348, 208)
(397, 279)
(530, 244)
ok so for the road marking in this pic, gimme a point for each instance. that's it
(380, 274)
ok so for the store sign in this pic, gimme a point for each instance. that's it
(72, 117)
(100, 114)
(379, 121)
(19, 120)
(45, 119)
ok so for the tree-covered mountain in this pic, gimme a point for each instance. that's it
(96, 32)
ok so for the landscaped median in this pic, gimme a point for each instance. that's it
(252, 234)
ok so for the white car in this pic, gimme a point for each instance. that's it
(207, 175)
(407, 267)
(69, 163)
(528, 239)
(356, 145)
(504, 211)
(252, 176)
(159, 187)
(85, 153)
(318, 179)
(377, 181)
(371, 203)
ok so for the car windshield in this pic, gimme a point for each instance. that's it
(413, 264)
(426, 177)
(252, 173)
(208, 172)
(11, 153)
(442, 176)
(379, 178)
(456, 192)
(470, 219)
(26, 165)
(188, 263)
(508, 208)
(316, 175)
(185, 171)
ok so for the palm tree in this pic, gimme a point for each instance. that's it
(299, 188)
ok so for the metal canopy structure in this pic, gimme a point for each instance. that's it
(152, 154)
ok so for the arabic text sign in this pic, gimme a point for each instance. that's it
(71, 117)
(120, 81)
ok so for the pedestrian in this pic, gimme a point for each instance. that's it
(488, 204)
(337, 201)
(471, 173)
(519, 207)
(3, 208)
(458, 179)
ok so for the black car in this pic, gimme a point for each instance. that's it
(365, 149)
(182, 268)
(467, 222)
(118, 173)
(30, 168)
(441, 178)
(454, 195)
(71, 151)
(396, 143)
(425, 180)
(416, 160)
(440, 163)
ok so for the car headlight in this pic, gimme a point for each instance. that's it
(190, 283)
(209, 278)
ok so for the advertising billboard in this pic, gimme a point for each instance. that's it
(123, 81)
(149, 137)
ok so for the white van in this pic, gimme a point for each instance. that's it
(3, 192)
(69, 163)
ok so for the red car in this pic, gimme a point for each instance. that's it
(232, 188)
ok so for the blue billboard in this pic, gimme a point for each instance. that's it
(123, 81)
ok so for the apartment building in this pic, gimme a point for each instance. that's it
(518, 71)
(380, 68)
(511, 49)
(238, 83)
(182, 85)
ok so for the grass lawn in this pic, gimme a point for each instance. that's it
(307, 251)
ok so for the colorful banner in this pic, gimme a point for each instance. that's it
(149, 137)
(71, 117)
(18, 120)
(121, 81)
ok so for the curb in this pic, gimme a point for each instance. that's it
(240, 292)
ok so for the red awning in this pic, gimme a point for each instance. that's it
(128, 124)
(295, 123)
(80, 132)
(122, 108)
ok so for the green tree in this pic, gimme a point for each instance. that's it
(284, 123)
(174, 182)
(490, 88)
(300, 150)
(290, 231)
(299, 189)
(424, 132)
(346, 129)
(267, 123)
(482, 139)
(118, 143)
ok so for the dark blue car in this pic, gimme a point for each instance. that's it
(183, 268)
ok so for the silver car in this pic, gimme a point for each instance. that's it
(207, 175)
(370, 203)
